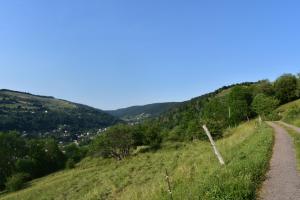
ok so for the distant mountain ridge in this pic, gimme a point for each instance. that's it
(138, 113)
(30, 113)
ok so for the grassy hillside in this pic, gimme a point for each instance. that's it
(193, 168)
(290, 112)
(138, 113)
(42, 114)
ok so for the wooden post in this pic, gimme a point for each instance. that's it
(260, 120)
(169, 184)
(213, 145)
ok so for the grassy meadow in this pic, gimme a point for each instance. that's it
(193, 170)
(290, 112)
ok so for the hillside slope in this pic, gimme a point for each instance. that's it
(35, 114)
(290, 112)
(194, 172)
(138, 113)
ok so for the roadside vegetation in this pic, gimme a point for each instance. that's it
(290, 113)
(194, 172)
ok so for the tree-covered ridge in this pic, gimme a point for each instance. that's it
(219, 110)
(139, 113)
(29, 113)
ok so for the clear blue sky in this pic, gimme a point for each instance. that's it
(111, 54)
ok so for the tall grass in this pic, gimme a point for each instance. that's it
(296, 139)
(193, 169)
(290, 112)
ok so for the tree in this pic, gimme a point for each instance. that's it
(16, 182)
(153, 136)
(239, 103)
(286, 88)
(264, 87)
(73, 152)
(215, 115)
(116, 142)
(264, 105)
(54, 157)
(298, 85)
(26, 165)
(12, 148)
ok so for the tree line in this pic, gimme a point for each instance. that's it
(226, 107)
(23, 159)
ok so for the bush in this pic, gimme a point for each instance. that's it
(70, 164)
(286, 88)
(16, 181)
(264, 105)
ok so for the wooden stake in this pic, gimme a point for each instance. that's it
(169, 184)
(213, 144)
(260, 120)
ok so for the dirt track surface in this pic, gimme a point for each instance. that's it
(295, 128)
(282, 181)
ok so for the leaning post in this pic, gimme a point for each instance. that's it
(213, 144)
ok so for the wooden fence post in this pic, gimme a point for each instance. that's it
(213, 145)
(169, 184)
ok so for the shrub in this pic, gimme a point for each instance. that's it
(286, 88)
(70, 164)
(116, 142)
(264, 105)
(16, 181)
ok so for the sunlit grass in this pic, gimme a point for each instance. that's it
(194, 172)
(296, 139)
(290, 112)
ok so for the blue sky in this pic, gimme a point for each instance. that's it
(111, 54)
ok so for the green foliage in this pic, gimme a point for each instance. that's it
(263, 87)
(215, 115)
(16, 182)
(12, 147)
(27, 165)
(38, 114)
(290, 112)
(139, 113)
(264, 105)
(239, 102)
(298, 85)
(286, 88)
(116, 142)
(33, 157)
(72, 151)
(70, 164)
(152, 136)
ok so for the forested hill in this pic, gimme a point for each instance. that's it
(29, 113)
(138, 113)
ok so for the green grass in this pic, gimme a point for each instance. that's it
(296, 139)
(193, 168)
(290, 112)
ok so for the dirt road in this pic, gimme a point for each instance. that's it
(283, 180)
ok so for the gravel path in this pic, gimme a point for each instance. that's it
(283, 181)
(295, 128)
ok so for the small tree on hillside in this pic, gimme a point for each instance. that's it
(264, 105)
(116, 142)
(286, 88)
(239, 103)
(298, 85)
